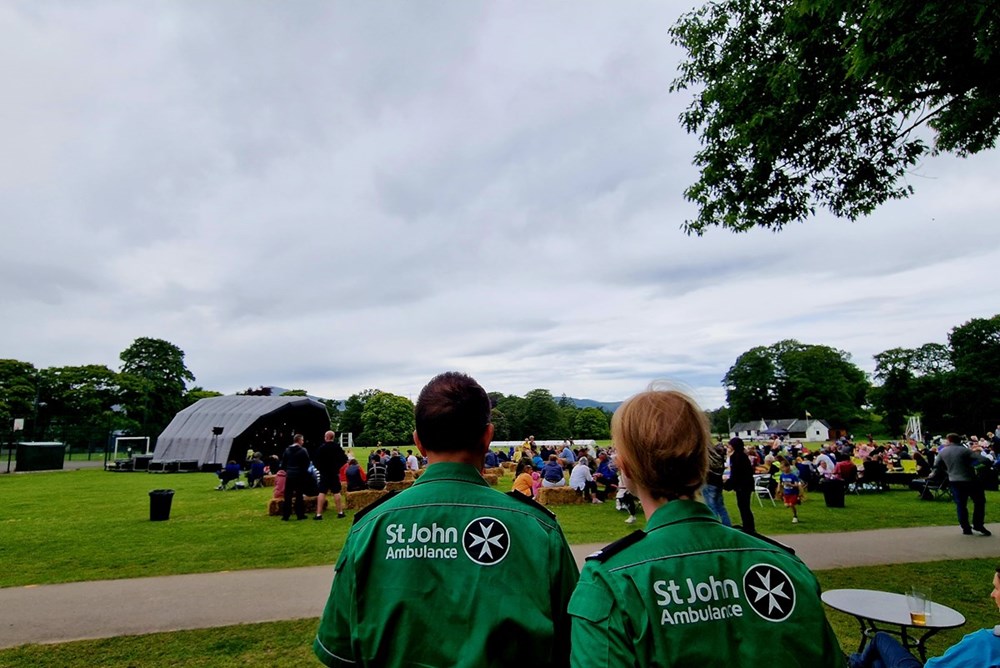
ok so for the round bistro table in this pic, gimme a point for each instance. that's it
(872, 608)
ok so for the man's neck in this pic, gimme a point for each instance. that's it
(474, 459)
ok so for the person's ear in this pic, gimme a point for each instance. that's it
(420, 446)
(623, 468)
(487, 438)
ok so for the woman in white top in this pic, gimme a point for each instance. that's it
(582, 480)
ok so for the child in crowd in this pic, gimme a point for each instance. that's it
(790, 489)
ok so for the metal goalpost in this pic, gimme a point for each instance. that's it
(144, 440)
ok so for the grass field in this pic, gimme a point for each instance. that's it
(85, 525)
(91, 525)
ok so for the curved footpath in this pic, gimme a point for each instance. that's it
(107, 608)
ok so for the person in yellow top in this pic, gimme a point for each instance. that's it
(525, 450)
(523, 480)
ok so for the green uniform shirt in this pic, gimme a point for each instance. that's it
(450, 573)
(691, 592)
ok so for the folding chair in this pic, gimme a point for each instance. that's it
(760, 488)
(935, 489)
(225, 478)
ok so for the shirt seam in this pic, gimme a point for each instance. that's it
(691, 554)
(541, 520)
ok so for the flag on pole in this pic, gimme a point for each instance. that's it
(808, 415)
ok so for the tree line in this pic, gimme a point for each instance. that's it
(83, 405)
(951, 387)
(373, 417)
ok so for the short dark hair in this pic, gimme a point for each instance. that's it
(452, 412)
(953, 438)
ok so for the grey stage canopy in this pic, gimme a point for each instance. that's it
(264, 424)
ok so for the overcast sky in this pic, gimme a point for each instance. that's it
(338, 196)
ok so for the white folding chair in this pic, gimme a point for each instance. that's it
(760, 488)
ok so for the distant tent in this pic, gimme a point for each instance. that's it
(262, 424)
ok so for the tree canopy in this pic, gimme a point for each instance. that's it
(153, 381)
(18, 393)
(819, 103)
(387, 418)
(788, 379)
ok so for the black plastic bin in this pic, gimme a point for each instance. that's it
(833, 493)
(159, 504)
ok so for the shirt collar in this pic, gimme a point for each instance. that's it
(451, 471)
(681, 510)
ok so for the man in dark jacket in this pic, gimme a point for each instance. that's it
(295, 462)
(741, 482)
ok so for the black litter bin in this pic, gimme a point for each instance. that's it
(159, 504)
(833, 493)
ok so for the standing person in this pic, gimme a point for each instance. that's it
(958, 462)
(688, 591)
(412, 463)
(741, 482)
(416, 582)
(329, 458)
(295, 462)
(791, 487)
(712, 491)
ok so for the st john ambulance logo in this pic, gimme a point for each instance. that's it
(769, 592)
(486, 541)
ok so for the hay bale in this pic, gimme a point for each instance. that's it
(558, 496)
(508, 465)
(491, 478)
(268, 480)
(397, 486)
(362, 498)
(274, 505)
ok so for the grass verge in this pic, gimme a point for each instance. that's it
(964, 587)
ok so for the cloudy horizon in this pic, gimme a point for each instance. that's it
(340, 196)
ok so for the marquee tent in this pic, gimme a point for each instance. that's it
(263, 424)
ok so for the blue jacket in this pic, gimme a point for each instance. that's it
(552, 472)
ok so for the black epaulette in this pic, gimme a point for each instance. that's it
(614, 548)
(771, 541)
(373, 505)
(531, 502)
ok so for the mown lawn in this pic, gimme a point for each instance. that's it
(88, 525)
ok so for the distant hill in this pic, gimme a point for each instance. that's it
(611, 406)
